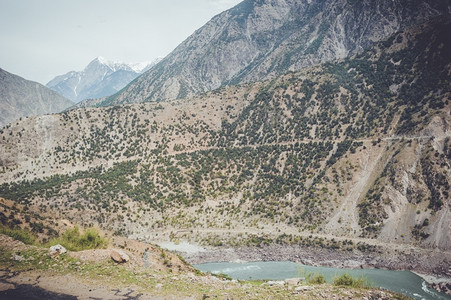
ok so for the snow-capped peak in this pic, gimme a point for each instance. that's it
(98, 78)
(141, 67)
(138, 67)
(113, 65)
(101, 60)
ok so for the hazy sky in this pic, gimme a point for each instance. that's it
(40, 39)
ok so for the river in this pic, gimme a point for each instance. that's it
(404, 282)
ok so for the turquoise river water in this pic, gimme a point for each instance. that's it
(403, 282)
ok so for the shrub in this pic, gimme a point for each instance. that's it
(348, 280)
(73, 240)
(315, 278)
(19, 234)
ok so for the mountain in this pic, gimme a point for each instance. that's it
(351, 156)
(21, 98)
(260, 39)
(99, 79)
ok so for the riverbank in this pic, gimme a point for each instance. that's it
(440, 284)
(433, 266)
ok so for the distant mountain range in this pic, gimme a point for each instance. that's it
(21, 98)
(260, 39)
(99, 79)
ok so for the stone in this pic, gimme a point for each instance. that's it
(304, 288)
(57, 250)
(119, 256)
(146, 258)
(293, 281)
(274, 282)
(17, 257)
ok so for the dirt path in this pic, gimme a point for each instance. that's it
(36, 285)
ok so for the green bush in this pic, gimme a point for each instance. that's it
(73, 240)
(348, 280)
(19, 234)
(315, 278)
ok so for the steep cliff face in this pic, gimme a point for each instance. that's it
(21, 98)
(259, 39)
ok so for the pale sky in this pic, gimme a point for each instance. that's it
(40, 39)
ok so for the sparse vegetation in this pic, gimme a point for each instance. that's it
(284, 152)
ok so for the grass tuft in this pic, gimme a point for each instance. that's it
(73, 240)
(19, 234)
(349, 281)
(315, 278)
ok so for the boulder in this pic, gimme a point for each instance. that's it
(57, 250)
(293, 281)
(274, 282)
(119, 256)
(17, 257)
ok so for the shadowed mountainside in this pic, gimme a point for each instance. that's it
(21, 98)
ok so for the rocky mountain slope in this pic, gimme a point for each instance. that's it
(260, 39)
(99, 79)
(358, 149)
(21, 98)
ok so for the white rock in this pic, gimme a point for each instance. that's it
(57, 250)
(293, 281)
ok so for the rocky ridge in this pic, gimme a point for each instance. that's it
(258, 40)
